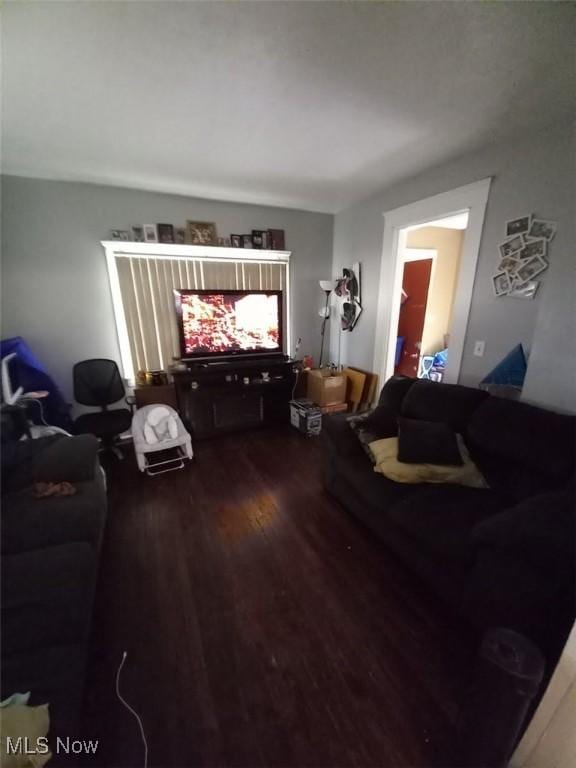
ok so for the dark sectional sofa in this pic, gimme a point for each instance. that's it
(50, 554)
(500, 557)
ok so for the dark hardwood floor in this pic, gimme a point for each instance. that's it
(263, 625)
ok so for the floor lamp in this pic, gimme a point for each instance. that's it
(327, 286)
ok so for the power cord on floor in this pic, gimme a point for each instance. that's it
(131, 710)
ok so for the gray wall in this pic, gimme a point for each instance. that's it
(533, 174)
(55, 289)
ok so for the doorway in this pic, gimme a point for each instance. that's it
(430, 275)
(413, 304)
(469, 201)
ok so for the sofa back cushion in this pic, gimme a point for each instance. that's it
(450, 404)
(521, 448)
(394, 392)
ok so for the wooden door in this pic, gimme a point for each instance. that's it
(415, 284)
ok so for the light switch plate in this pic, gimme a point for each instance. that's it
(479, 348)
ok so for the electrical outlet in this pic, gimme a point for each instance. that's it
(479, 348)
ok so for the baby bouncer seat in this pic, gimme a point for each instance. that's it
(158, 428)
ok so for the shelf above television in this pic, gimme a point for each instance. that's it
(193, 251)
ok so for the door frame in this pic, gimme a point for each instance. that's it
(471, 198)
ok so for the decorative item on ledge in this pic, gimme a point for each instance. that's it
(523, 256)
(119, 234)
(150, 233)
(200, 233)
(165, 233)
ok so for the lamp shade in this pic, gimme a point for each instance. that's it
(327, 285)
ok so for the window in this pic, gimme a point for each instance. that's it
(144, 276)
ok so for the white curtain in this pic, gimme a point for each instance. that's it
(147, 285)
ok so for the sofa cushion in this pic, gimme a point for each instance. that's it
(394, 392)
(29, 523)
(19, 458)
(517, 432)
(427, 442)
(53, 674)
(372, 426)
(338, 437)
(386, 462)
(46, 597)
(522, 450)
(540, 530)
(450, 404)
(73, 459)
(371, 489)
(442, 519)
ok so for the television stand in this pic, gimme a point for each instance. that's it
(230, 395)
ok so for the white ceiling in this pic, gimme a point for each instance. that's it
(308, 105)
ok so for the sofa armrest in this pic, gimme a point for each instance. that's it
(523, 574)
(338, 436)
(72, 459)
(540, 530)
(504, 590)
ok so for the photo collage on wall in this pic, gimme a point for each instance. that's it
(523, 256)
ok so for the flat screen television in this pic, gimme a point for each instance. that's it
(215, 323)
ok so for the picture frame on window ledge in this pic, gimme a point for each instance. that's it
(119, 234)
(201, 232)
(138, 234)
(165, 233)
(277, 239)
(236, 241)
(247, 241)
(150, 233)
(257, 238)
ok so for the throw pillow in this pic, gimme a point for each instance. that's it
(427, 442)
(386, 460)
(372, 426)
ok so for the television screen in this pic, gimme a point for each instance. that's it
(229, 322)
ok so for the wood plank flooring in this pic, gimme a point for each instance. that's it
(263, 625)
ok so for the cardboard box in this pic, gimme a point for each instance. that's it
(336, 408)
(324, 389)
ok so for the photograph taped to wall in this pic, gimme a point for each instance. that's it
(542, 228)
(526, 291)
(501, 283)
(532, 249)
(518, 226)
(511, 246)
(509, 264)
(530, 269)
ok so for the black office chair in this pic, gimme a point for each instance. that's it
(98, 383)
